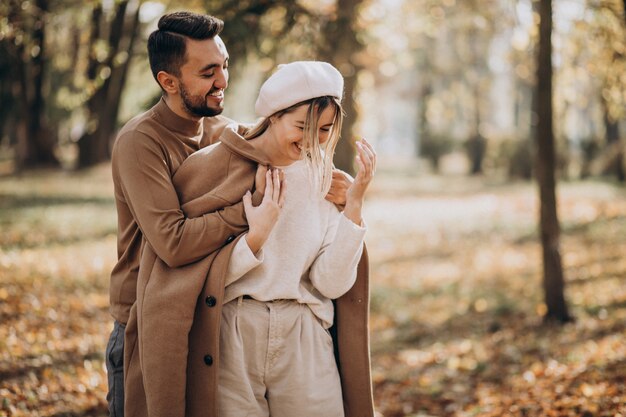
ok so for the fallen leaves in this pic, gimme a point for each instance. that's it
(457, 321)
(54, 299)
(457, 308)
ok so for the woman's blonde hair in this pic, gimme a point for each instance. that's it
(319, 158)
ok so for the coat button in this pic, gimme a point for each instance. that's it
(230, 239)
(208, 360)
(210, 301)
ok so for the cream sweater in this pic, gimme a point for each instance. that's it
(310, 256)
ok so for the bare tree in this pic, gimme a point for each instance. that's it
(615, 147)
(553, 280)
(26, 53)
(108, 76)
(341, 47)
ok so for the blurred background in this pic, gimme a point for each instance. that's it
(433, 81)
(461, 216)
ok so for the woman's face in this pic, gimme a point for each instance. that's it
(288, 132)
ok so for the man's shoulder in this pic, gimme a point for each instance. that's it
(141, 128)
(138, 122)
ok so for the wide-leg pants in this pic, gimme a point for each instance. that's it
(276, 359)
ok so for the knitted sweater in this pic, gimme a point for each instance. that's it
(310, 256)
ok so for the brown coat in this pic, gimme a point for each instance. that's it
(172, 338)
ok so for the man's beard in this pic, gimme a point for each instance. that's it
(196, 105)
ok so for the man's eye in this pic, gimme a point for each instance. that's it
(207, 75)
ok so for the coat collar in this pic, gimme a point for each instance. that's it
(239, 145)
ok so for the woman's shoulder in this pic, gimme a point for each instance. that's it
(216, 156)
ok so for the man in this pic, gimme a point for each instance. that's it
(189, 61)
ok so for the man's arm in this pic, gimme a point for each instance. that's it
(147, 187)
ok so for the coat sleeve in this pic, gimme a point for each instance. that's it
(152, 199)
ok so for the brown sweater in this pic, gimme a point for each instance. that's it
(146, 155)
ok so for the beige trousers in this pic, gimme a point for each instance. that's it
(276, 360)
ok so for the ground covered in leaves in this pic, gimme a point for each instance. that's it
(456, 297)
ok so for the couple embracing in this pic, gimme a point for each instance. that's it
(241, 287)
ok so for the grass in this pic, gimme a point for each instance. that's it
(456, 313)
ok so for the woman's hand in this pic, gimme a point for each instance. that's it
(366, 161)
(261, 219)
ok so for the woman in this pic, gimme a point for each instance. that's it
(299, 253)
(276, 355)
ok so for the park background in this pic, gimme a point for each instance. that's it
(496, 222)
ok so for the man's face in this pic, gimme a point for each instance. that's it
(204, 77)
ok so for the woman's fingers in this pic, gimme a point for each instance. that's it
(276, 184)
(361, 164)
(366, 159)
(247, 202)
(371, 152)
(269, 186)
(281, 199)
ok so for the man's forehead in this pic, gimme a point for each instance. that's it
(206, 51)
(220, 44)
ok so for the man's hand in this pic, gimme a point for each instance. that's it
(339, 185)
(261, 219)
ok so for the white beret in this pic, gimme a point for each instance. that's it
(295, 82)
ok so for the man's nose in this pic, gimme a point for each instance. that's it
(221, 79)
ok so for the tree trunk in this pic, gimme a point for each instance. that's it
(553, 280)
(476, 146)
(345, 152)
(102, 106)
(423, 129)
(341, 48)
(425, 92)
(36, 142)
(615, 165)
(108, 121)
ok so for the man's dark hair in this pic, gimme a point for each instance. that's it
(167, 45)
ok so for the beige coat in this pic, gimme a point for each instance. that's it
(172, 338)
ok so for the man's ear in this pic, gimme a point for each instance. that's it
(168, 82)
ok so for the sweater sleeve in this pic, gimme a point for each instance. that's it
(242, 261)
(147, 189)
(333, 272)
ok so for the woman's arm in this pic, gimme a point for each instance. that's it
(247, 253)
(366, 160)
(334, 271)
